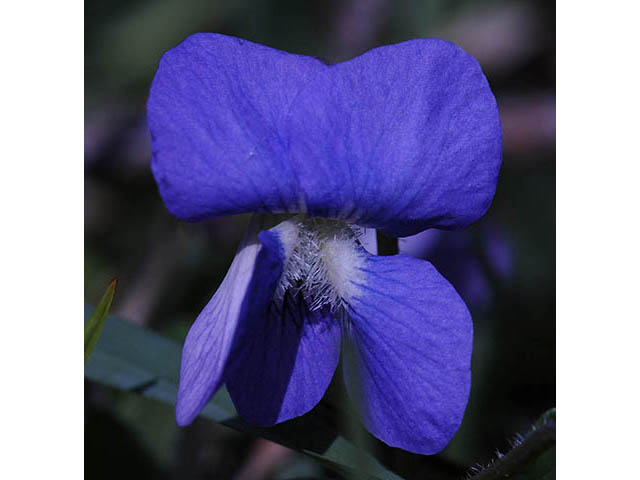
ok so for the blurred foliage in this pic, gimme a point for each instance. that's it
(168, 269)
(138, 360)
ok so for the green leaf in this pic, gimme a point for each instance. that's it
(533, 456)
(94, 324)
(139, 360)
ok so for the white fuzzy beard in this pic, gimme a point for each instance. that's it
(323, 261)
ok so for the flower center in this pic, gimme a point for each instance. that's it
(323, 261)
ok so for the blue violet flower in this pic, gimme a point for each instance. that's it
(401, 139)
(468, 262)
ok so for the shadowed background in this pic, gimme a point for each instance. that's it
(503, 266)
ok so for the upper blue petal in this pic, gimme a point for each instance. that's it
(408, 354)
(217, 113)
(403, 138)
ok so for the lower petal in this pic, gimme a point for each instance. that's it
(408, 354)
(283, 362)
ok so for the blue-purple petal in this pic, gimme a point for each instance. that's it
(209, 341)
(403, 138)
(284, 355)
(408, 354)
(466, 262)
(217, 112)
(283, 362)
(277, 362)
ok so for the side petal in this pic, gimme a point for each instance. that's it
(216, 113)
(408, 354)
(403, 138)
(369, 240)
(209, 341)
(422, 244)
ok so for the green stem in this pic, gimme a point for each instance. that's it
(386, 245)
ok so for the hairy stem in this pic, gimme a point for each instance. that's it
(534, 444)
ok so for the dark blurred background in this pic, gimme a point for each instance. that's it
(504, 265)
